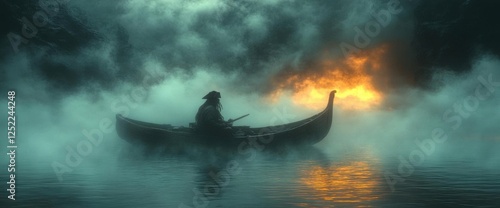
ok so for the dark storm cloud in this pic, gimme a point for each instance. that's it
(228, 36)
(452, 34)
(93, 45)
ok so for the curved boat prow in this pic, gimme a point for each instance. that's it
(325, 119)
(310, 130)
(331, 99)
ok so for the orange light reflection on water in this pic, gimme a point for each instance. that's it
(351, 184)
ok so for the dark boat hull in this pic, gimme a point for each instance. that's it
(304, 132)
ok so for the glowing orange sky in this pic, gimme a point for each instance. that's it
(351, 78)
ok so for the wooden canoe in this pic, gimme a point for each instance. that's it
(304, 132)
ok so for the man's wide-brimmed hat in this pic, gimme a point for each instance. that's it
(212, 95)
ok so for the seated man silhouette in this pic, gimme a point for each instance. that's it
(209, 118)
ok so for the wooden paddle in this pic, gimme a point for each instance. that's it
(233, 120)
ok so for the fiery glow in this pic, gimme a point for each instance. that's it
(352, 183)
(352, 78)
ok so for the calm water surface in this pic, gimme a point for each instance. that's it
(314, 177)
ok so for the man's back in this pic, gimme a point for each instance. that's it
(209, 117)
